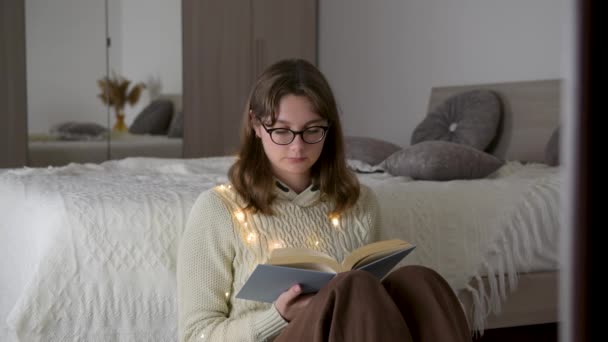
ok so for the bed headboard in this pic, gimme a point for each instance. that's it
(531, 112)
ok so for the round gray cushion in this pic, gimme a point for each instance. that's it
(552, 149)
(176, 128)
(441, 161)
(469, 118)
(368, 150)
(154, 119)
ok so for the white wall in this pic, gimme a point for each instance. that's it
(66, 55)
(382, 57)
(151, 47)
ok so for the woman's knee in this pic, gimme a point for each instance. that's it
(411, 272)
(355, 279)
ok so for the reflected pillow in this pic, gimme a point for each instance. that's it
(154, 119)
(73, 130)
(441, 161)
(469, 118)
(176, 128)
(552, 149)
(368, 150)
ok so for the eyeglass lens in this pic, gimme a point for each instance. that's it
(285, 136)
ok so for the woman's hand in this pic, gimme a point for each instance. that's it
(290, 303)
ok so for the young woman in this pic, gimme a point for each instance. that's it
(290, 187)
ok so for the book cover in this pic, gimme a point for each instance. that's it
(268, 281)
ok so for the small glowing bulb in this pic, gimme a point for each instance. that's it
(240, 216)
(202, 336)
(229, 186)
(222, 187)
(335, 221)
(251, 237)
(227, 294)
(275, 245)
(316, 243)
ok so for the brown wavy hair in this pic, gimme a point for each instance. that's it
(251, 174)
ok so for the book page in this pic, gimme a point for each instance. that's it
(376, 256)
(303, 258)
(314, 266)
(373, 251)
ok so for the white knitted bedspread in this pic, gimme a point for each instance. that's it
(88, 251)
(500, 226)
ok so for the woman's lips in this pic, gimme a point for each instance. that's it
(296, 159)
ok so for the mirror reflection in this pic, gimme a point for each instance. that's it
(110, 89)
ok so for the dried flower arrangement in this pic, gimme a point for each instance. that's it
(115, 92)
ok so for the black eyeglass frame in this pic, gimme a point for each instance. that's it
(295, 133)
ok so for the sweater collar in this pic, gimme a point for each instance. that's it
(304, 199)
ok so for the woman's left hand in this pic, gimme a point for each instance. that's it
(290, 303)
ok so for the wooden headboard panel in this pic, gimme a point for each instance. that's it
(531, 112)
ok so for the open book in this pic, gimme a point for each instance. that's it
(313, 269)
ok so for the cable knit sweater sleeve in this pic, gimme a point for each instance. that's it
(205, 276)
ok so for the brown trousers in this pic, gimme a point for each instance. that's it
(413, 303)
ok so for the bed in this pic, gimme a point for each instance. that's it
(89, 250)
(43, 152)
(531, 115)
(49, 150)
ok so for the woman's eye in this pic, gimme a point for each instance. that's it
(282, 132)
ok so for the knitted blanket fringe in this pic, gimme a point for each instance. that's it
(514, 246)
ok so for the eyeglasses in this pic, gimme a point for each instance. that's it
(284, 136)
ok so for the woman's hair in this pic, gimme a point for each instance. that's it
(251, 175)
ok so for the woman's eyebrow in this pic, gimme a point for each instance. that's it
(307, 123)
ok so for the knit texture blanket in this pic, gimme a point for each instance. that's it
(497, 227)
(89, 251)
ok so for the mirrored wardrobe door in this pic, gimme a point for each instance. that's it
(145, 69)
(66, 56)
(13, 130)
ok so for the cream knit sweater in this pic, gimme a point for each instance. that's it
(222, 244)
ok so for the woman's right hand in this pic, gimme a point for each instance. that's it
(290, 303)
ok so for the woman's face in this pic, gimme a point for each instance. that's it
(292, 162)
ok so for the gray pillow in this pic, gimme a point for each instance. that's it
(369, 150)
(441, 161)
(73, 130)
(469, 118)
(154, 119)
(176, 128)
(552, 149)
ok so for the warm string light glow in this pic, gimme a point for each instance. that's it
(274, 245)
(335, 220)
(224, 187)
(240, 216)
(251, 237)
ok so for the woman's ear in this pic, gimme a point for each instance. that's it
(255, 124)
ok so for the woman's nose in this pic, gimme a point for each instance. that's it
(298, 142)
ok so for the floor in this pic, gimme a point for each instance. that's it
(536, 333)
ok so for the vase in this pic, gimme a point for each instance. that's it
(120, 125)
